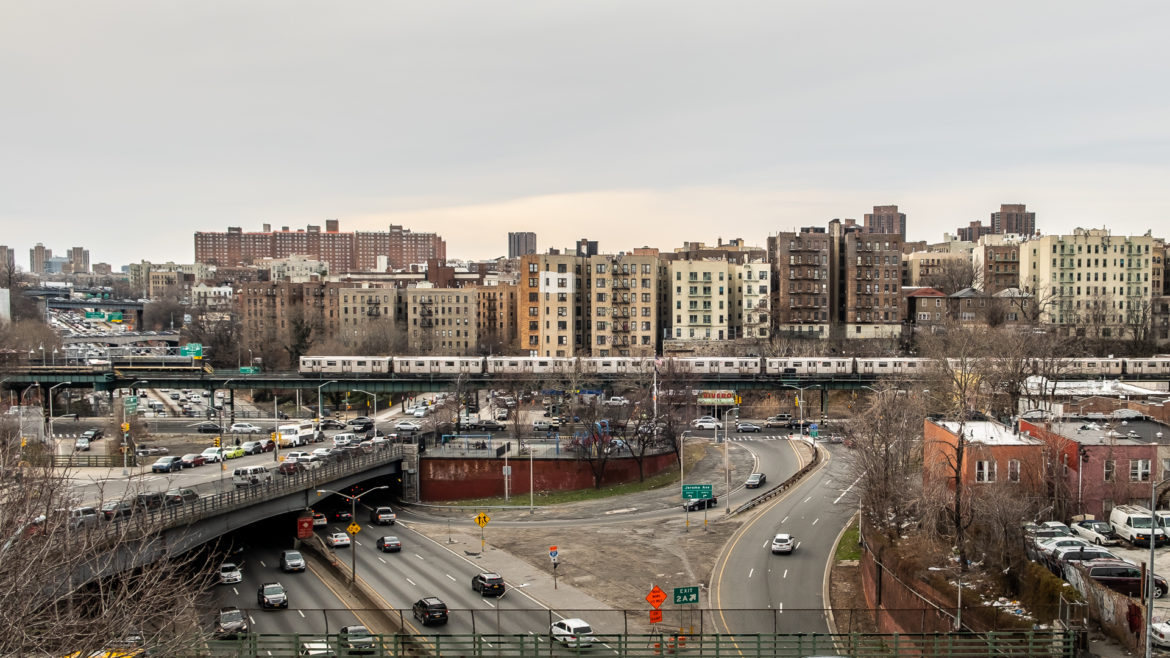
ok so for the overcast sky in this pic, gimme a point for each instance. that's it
(127, 126)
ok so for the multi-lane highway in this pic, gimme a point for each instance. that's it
(787, 588)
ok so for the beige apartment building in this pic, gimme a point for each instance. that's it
(553, 299)
(362, 305)
(717, 300)
(622, 303)
(497, 318)
(1092, 283)
(441, 321)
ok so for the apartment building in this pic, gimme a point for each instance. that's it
(621, 305)
(1092, 283)
(79, 260)
(521, 243)
(868, 295)
(7, 259)
(714, 299)
(1013, 218)
(885, 220)
(441, 321)
(929, 268)
(553, 297)
(269, 310)
(497, 317)
(344, 252)
(801, 281)
(363, 304)
(293, 268)
(996, 261)
(37, 256)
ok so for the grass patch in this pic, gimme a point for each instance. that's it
(669, 477)
(849, 547)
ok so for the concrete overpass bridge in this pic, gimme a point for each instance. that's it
(145, 537)
(124, 338)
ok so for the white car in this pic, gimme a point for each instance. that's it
(229, 573)
(337, 539)
(783, 543)
(244, 428)
(212, 455)
(296, 456)
(572, 632)
(707, 424)
(1097, 532)
(407, 426)
(1160, 633)
(344, 439)
(1047, 547)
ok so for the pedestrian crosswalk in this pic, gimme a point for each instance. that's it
(758, 437)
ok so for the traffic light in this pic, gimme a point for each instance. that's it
(217, 442)
(125, 427)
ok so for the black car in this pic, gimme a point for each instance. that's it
(93, 434)
(150, 500)
(208, 428)
(362, 428)
(491, 426)
(231, 622)
(181, 497)
(116, 509)
(389, 544)
(342, 515)
(695, 504)
(488, 584)
(272, 595)
(430, 610)
(755, 480)
(167, 465)
(330, 424)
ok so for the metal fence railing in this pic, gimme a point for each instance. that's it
(1038, 644)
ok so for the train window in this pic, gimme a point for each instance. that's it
(360, 364)
(1152, 364)
(542, 364)
(1090, 364)
(420, 364)
(826, 364)
(449, 363)
(796, 364)
(330, 363)
(605, 364)
(883, 364)
(912, 364)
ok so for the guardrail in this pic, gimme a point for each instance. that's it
(783, 486)
(1047, 643)
(279, 484)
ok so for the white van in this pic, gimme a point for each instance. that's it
(247, 476)
(1134, 524)
(300, 434)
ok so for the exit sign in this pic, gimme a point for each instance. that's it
(696, 491)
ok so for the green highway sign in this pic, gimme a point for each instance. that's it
(94, 315)
(191, 349)
(249, 370)
(131, 403)
(683, 595)
(696, 491)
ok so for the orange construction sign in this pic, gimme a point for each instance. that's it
(656, 596)
(655, 616)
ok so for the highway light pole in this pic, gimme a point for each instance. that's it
(320, 409)
(353, 520)
(959, 609)
(1150, 576)
(726, 459)
(800, 400)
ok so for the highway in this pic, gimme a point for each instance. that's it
(748, 576)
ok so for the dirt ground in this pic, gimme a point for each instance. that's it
(619, 561)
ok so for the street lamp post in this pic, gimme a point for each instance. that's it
(1150, 576)
(800, 400)
(320, 409)
(373, 418)
(51, 434)
(726, 459)
(353, 519)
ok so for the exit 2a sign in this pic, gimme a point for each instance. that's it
(684, 595)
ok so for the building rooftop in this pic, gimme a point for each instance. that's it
(989, 433)
(1113, 432)
(1103, 388)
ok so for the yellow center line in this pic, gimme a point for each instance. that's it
(739, 534)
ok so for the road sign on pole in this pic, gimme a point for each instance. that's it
(553, 553)
(696, 491)
(353, 529)
(656, 596)
(685, 595)
(482, 519)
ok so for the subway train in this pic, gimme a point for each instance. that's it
(732, 366)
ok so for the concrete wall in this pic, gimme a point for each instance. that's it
(456, 479)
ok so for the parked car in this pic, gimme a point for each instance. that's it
(271, 596)
(573, 632)
(117, 509)
(1121, 576)
(191, 460)
(229, 573)
(389, 544)
(695, 504)
(145, 450)
(244, 428)
(337, 540)
(491, 426)
(430, 610)
(488, 584)
(208, 428)
(783, 543)
(1063, 557)
(233, 452)
(755, 481)
(288, 468)
(291, 561)
(747, 427)
(167, 465)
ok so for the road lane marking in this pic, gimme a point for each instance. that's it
(752, 571)
(815, 520)
(785, 574)
(236, 591)
(411, 582)
(381, 560)
(357, 542)
(490, 603)
(784, 520)
(797, 546)
(301, 613)
(419, 556)
(846, 490)
(262, 563)
(806, 499)
(780, 607)
(251, 620)
(451, 577)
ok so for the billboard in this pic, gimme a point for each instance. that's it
(720, 398)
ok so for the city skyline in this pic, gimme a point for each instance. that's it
(568, 122)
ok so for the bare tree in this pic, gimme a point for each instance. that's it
(951, 276)
(71, 586)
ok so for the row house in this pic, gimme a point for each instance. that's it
(994, 455)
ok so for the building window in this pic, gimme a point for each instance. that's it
(1013, 470)
(1139, 470)
(985, 471)
(1110, 470)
